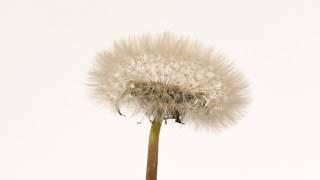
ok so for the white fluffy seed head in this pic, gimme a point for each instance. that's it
(170, 77)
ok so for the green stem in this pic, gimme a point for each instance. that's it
(152, 163)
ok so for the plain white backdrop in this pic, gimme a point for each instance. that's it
(51, 129)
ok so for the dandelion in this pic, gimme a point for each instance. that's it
(167, 77)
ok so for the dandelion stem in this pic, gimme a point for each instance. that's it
(152, 163)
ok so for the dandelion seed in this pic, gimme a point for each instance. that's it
(169, 77)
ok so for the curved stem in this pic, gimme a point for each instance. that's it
(152, 163)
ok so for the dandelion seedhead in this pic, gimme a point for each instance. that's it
(170, 77)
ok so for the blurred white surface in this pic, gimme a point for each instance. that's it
(51, 129)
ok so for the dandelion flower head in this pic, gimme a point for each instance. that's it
(170, 77)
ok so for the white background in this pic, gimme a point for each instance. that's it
(51, 129)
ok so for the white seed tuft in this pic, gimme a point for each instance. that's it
(170, 77)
